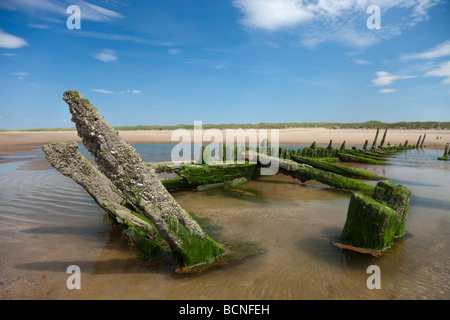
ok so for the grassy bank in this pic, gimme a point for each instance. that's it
(329, 125)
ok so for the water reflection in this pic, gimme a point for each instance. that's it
(48, 222)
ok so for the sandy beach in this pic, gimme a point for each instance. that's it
(14, 142)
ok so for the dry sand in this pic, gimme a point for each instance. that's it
(14, 142)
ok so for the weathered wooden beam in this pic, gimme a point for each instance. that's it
(305, 172)
(360, 158)
(125, 169)
(418, 142)
(445, 156)
(383, 139)
(66, 158)
(374, 144)
(336, 168)
(423, 140)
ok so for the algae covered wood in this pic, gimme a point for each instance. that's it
(218, 173)
(397, 197)
(445, 156)
(374, 144)
(66, 158)
(336, 168)
(374, 223)
(361, 159)
(305, 172)
(370, 224)
(124, 167)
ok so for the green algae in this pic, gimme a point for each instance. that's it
(210, 174)
(370, 224)
(334, 180)
(397, 197)
(237, 249)
(336, 168)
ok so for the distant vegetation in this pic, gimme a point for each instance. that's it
(329, 125)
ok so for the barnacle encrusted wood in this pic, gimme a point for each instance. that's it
(124, 167)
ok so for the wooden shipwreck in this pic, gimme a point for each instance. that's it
(131, 192)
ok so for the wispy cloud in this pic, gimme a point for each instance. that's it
(7, 54)
(106, 55)
(20, 75)
(314, 82)
(385, 78)
(39, 26)
(174, 52)
(318, 21)
(90, 12)
(130, 91)
(102, 91)
(387, 90)
(121, 37)
(442, 71)
(362, 62)
(10, 41)
(441, 50)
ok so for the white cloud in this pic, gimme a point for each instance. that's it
(106, 55)
(130, 91)
(385, 78)
(89, 11)
(442, 71)
(362, 62)
(441, 50)
(121, 37)
(20, 75)
(102, 91)
(10, 41)
(273, 14)
(8, 54)
(318, 21)
(39, 26)
(174, 51)
(95, 13)
(387, 90)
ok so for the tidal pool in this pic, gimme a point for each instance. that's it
(48, 222)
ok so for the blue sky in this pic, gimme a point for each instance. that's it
(166, 62)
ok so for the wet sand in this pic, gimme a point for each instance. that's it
(48, 222)
(14, 142)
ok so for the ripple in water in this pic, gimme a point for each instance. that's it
(48, 222)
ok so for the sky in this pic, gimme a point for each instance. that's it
(168, 62)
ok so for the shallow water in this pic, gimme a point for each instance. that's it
(48, 222)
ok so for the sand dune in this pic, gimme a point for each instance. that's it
(19, 142)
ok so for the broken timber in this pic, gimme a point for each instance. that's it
(123, 166)
(66, 158)
(131, 192)
(305, 172)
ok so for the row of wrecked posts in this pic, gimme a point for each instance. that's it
(134, 196)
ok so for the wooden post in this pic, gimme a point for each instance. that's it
(374, 144)
(423, 140)
(383, 139)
